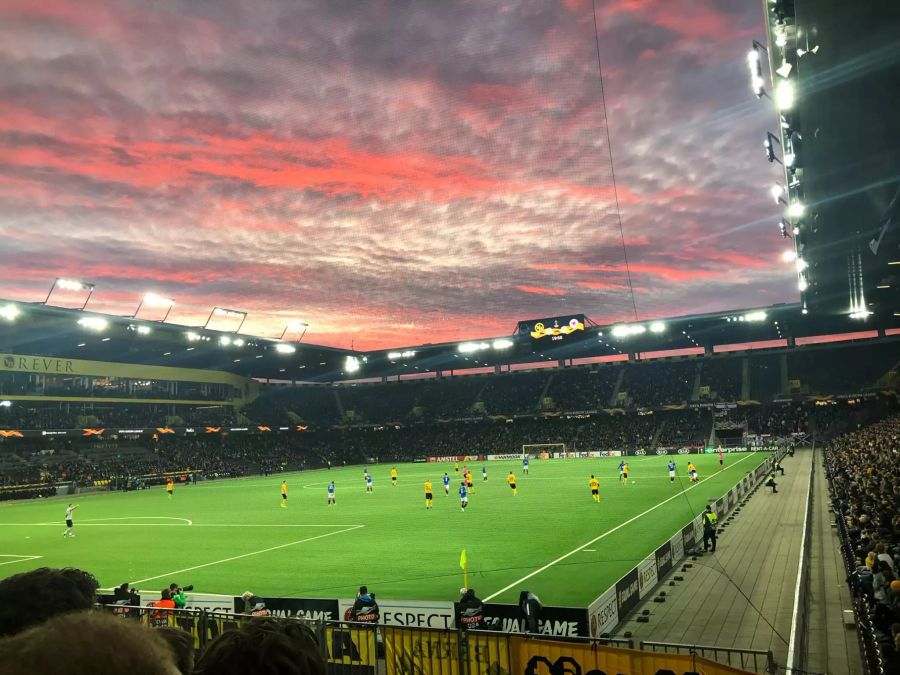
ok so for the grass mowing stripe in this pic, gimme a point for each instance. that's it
(605, 534)
(246, 555)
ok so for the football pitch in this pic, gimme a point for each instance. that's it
(232, 535)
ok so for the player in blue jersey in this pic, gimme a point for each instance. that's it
(446, 480)
(369, 482)
(331, 493)
(463, 496)
(483, 472)
(525, 465)
(621, 469)
(671, 466)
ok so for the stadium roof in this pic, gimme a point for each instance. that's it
(38, 329)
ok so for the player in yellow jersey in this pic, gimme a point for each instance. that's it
(511, 479)
(625, 474)
(469, 484)
(595, 488)
(692, 472)
(170, 487)
(284, 494)
(428, 494)
(394, 477)
(456, 467)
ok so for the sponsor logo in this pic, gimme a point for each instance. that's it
(53, 433)
(38, 364)
(684, 451)
(641, 452)
(662, 452)
(626, 594)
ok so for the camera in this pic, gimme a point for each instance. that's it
(185, 589)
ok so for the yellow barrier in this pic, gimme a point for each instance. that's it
(351, 645)
(546, 657)
(410, 651)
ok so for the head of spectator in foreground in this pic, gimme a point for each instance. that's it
(181, 644)
(263, 646)
(86, 643)
(30, 598)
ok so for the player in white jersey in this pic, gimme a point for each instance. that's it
(69, 524)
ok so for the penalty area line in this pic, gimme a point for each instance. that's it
(246, 555)
(605, 534)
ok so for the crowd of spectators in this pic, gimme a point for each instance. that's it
(49, 624)
(579, 389)
(723, 376)
(684, 428)
(865, 487)
(656, 383)
(63, 415)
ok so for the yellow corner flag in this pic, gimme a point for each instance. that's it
(462, 559)
(464, 564)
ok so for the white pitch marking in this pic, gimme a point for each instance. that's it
(246, 555)
(18, 558)
(103, 520)
(605, 534)
(589, 550)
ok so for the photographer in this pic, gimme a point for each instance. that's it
(178, 596)
(254, 605)
(471, 610)
(365, 609)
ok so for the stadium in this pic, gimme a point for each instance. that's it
(579, 432)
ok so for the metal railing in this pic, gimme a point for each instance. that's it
(758, 660)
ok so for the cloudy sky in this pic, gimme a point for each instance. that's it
(393, 172)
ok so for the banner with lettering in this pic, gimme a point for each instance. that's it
(545, 657)
(420, 651)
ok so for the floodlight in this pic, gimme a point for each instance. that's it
(282, 348)
(860, 314)
(784, 228)
(620, 331)
(776, 191)
(755, 316)
(93, 322)
(796, 210)
(9, 312)
(784, 70)
(796, 230)
(394, 356)
(294, 325)
(155, 300)
(803, 284)
(72, 285)
(5, 404)
(789, 256)
(469, 347)
(789, 159)
(784, 95)
(224, 340)
(780, 36)
(801, 264)
(351, 364)
(143, 330)
(238, 342)
(502, 343)
(192, 336)
(657, 327)
(803, 52)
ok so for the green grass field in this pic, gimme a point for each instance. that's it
(229, 536)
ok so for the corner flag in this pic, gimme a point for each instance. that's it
(462, 559)
(464, 564)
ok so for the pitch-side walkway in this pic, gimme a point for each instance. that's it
(742, 596)
(833, 647)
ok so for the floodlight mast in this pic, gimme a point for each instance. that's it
(294, 325)
(71, 284)
(234, 313)
(158, 300)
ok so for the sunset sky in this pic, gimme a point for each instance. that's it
(392, 172)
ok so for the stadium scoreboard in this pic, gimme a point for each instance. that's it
(553, 330)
